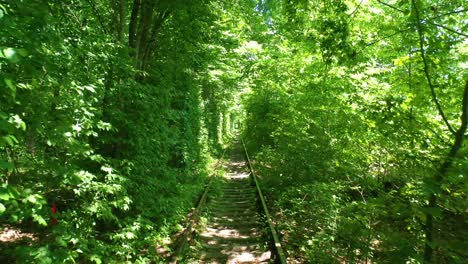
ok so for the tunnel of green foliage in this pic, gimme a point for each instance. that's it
(113, 112)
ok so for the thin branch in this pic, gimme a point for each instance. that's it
(448, 13)
(162, 16)
(449, 29)
(388, 36)
(443, 140)
(426, 69)
(355, 10)
(384, 37)
(392, 7)
(151, 45)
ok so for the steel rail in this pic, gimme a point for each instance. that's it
(184, 237)
(276, 242)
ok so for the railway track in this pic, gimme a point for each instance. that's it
(237, 227)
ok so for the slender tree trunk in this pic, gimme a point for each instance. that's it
(457, 144)
(459, 136)
(144, 29)
(133, 24)
(152, 41)
(122, 11)
(145, 23)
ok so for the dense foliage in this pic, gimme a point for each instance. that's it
(111, 113)
(357, 113)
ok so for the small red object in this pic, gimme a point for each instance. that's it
(54, 211)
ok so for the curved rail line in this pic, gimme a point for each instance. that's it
(275, 244)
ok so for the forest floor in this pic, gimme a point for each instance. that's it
(232, 230)
(10, 238)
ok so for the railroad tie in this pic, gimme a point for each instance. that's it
(234, 232)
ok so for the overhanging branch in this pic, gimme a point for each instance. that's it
(392, 7)
(449, 29)
(426, 69)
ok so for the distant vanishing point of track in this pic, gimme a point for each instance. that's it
(237, 229)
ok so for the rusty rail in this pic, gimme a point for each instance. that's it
(276, 242)
(185, 236)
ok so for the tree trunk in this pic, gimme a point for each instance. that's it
(133, 25)
(122, 19)
(457, 144)
(144, 28)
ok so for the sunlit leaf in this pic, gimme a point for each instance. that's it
(10, 54)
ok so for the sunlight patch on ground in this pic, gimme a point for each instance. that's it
(224, 233)
(11, 234)
(238, 176)
(244, 257)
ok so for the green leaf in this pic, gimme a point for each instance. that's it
(22, 52)
(10, 54)
(6, 165)
(90, 88)
(42, 255)
(11, 85)
(96, 259)
(40, 220)
(31, 198)
(106, 169)
(3, 10)
(18, 122)
(10, 140)
(2, 208)
(4, 195)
